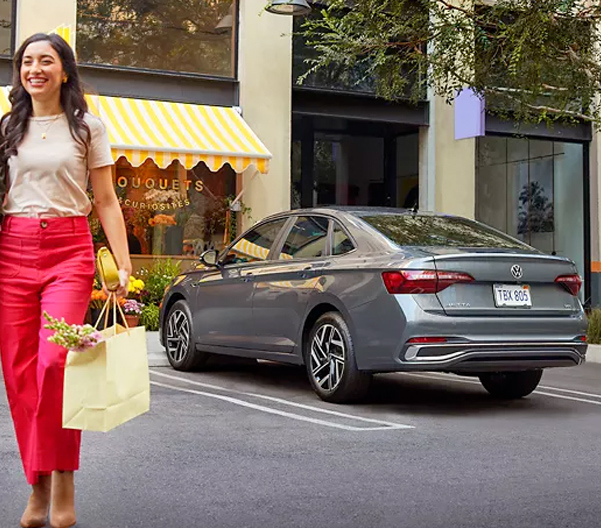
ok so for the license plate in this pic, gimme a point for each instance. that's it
(512, 295)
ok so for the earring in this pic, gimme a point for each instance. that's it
(65, 79)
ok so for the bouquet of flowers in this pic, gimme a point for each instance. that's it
(132, 307)
(72, 337)
(162, 219)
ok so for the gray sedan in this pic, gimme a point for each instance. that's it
(349, 292)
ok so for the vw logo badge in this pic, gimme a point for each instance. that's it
(517, 271)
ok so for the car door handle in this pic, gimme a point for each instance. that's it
(307, 271)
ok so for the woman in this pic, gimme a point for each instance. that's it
(50, 147)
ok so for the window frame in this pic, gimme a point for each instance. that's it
(173, 73)
(334, 222)
(294, 218)
(13, 31)
(276, 243)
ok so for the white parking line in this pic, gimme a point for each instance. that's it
(568, 391)
(381, 425)
(446, 377)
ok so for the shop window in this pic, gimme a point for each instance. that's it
(534, 191)
(307, 238)
(255, 245)
(6, 27)
(173, 211)
(195, 37)
(358, 77)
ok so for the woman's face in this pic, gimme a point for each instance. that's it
(42, 71)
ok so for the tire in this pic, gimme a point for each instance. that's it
(511, 385)
(179, 339)
(329, 348)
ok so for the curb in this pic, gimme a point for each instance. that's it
(593, 354)
(156, 352)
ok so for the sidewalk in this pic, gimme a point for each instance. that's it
(157, 357)
(156, 352)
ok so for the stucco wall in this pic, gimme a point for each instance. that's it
(455, 164)
(35, 16)
(265, 74)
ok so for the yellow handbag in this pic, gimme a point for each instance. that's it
(107, 269)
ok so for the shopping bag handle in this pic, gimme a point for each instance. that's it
(112, 298)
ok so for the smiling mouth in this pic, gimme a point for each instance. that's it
(37, 82)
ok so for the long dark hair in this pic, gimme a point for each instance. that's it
(13, 124)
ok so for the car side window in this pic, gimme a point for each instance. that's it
(307, 238)
(254, 246)
(341, 243)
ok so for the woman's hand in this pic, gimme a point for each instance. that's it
(123, 288)
(123, 283)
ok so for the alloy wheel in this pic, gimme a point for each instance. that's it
(328, 357)
(178, 335)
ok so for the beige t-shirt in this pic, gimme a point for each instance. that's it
(49, 177)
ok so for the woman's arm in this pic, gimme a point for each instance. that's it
(111, 218)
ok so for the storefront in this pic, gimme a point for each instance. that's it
(186, 95)
(176, 173)
(348, 146)
(534, 191)
(535, 186)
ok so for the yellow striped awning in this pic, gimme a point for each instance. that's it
(140, 129)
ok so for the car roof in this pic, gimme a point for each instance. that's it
(354, 210)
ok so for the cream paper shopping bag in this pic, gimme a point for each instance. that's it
(109, 384)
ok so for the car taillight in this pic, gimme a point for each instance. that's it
(572, 283)
(422, 281)
(426, 340)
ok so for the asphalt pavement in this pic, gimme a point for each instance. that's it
(250, 446)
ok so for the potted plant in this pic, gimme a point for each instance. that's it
(132, 310)
(97, 300)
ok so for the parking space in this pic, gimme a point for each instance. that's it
(251, 446)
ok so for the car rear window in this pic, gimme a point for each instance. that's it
(418, 230)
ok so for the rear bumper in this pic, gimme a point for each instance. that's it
(492, 356)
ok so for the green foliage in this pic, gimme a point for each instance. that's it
(157, 278)
(594, 327)
(532, 61)
(150, 317)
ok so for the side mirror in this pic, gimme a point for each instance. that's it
(210, 258)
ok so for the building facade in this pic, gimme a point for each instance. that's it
(280, 145)
(199, 130)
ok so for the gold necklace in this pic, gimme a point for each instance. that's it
(50, 123)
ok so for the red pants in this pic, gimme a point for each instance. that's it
(45, 264)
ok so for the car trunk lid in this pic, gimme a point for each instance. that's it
(509, 283)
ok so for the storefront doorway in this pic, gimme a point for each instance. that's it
(347, 162)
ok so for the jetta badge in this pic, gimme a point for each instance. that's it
(517, 271)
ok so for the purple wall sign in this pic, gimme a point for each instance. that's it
(469, 115)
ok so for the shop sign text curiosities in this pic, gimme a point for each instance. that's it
(162, 194)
